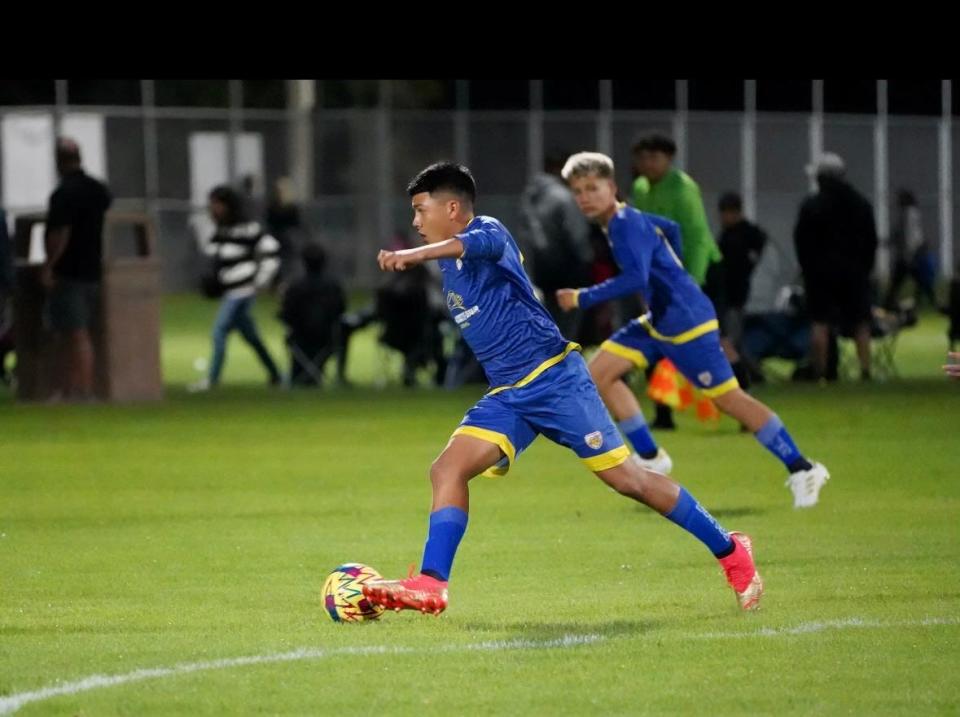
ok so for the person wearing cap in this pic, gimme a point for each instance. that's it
(836, 241)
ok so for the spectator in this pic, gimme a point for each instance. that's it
(663, 189)
(312, 309)
(411, 312)
(660, 188)
(283, 223)
(411, 317)
(245, 260)
(559, 240)
(836, 242)
(741, 243)
(910, 253)
(72, 271)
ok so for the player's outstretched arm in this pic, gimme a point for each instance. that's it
(405, 258)
(629, 282)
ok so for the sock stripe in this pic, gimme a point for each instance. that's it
(633, 423)
(770, 429)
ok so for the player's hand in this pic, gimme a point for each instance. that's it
(952, 369)
(567, 299)
(396, 260)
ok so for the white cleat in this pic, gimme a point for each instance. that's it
(660, 463)
(806, 485)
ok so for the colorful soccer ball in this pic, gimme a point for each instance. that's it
(343, 594)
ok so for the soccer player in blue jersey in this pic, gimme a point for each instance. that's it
(540, 384)
(680, 325)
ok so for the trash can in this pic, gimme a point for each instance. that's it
(127, 336)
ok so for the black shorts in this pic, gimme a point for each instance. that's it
(73, 305)
(840, 301)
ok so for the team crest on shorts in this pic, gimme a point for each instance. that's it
(594, 440)
(705, 378)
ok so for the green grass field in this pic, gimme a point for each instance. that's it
(157, 544)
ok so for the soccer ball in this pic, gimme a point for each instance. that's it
(343, 593)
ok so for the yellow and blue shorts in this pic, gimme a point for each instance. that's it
(696, 353)
(562, 403)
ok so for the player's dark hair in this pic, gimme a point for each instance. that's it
(445, 177)
(656, 143)
(730, 202)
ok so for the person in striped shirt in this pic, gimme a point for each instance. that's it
(246, 258)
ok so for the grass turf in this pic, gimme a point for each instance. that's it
(153, 535)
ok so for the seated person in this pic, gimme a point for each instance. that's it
(312, 309)
(410, 325)
(782, 332)
(775, 321)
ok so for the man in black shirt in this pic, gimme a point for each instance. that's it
(836, 241)
(72, 271)
(741, 243)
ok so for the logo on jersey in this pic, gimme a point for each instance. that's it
(459, 264)
(455, 301)
(705, 378)
(594, 440)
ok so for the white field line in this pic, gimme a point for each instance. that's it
(850, 623)
(11, 703)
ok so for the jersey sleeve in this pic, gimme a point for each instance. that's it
(483, 242)
(633, 251)
(671, 231)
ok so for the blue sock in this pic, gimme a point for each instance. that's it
(639, 436)
(694, 518)
(447, 527)
(774, 437)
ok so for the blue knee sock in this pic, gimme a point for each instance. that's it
(447, 527)
(694, 518)
(774, 437)
(639, 436)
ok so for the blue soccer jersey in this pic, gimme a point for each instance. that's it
(644, 247)
(681, 325)
(540, 382)
(491, 300)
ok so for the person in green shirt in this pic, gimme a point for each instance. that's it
(663, 189)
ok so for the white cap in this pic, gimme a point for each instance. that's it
(827, 163)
